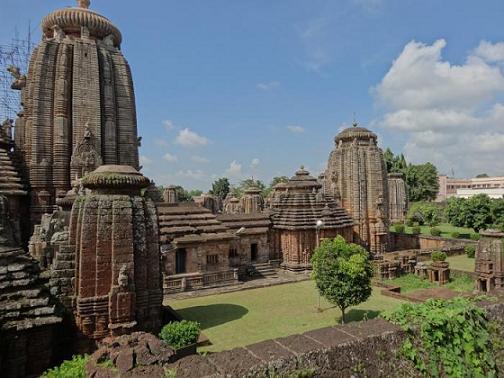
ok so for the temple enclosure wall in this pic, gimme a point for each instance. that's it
(401, 242)
(361, 349)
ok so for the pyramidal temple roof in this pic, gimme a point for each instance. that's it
(301, 204)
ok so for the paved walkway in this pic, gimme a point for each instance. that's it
(284, 277)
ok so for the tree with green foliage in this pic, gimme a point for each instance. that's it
(75, 368)
(220, 188)
(425, 213)
(422, 182)
(342, 273)
(276, 180)
(482, 175)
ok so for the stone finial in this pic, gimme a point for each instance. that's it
(84, 3)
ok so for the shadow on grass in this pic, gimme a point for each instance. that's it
(356, 315)
(213, 315)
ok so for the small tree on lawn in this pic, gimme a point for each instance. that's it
(342, 273)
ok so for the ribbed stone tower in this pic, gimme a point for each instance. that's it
(114, 230)
(252, 201)
(398, 197)
(79, 104)
(357, 177)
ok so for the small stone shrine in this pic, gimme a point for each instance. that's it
(114, 231)
(489, 265)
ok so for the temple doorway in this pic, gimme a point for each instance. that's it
(180, 261)
(253, 252)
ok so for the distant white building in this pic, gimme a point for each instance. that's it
(490, 192)
(465, 188)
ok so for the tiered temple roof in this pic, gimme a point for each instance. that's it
(10, 182)
(302, 204)
(189, 223)
(253, 224)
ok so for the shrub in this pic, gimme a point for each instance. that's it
(434, 231)
(470, 251)
(416, 230)
(475, 237)
(410, 222)
(75, 368)
(446, 338)
(180, 334)
(455, 235)
(399, 227)
(438, 256)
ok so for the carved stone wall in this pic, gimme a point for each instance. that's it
(114, 231)
(398, 198)
(357, 178)
(79, 105)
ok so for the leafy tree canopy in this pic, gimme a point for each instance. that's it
(342, 273)
(220, 187)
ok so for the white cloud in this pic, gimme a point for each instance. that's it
(268, 86)
(199, 159)
(489, 52)
(144, 160)
(160, 142)
(451, 114)
(234, 170)
(255, 163)
(168, 125)
(296, 129)
(170, 158)
(188, 138)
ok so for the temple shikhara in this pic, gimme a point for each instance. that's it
(90, 247)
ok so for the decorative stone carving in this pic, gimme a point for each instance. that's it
(170, 195)
(85, 158)
(6, 129)
(19, 80)
(398, 198)
(59, 34)
(84, 3)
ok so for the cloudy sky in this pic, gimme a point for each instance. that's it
(242, 88)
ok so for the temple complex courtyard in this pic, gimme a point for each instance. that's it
(245, 317)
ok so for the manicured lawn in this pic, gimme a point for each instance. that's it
(446, 230)
(461, 262)
(410, 283)
(246, 317)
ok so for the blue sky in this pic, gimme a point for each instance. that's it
(257, 88)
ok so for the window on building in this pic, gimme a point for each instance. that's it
(233, 252)
(212, 259)
(254, 252)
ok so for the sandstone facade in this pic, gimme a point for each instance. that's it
(356, 177)
(302, 215)
(79, 105)
(398, 198)
(114, 232)
(489, 265)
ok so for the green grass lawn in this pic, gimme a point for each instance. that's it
(410, 283)
(245, 317)
(461, 262)
(446, 230)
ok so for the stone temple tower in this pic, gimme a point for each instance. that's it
(357, 177)
(78, 104)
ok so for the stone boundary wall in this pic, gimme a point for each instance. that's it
(401, 242)
(365, 348)
(360, 349)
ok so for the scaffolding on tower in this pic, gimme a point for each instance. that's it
(16, 53)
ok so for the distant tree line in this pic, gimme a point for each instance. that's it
(421, 179)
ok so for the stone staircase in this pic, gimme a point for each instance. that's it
(263, 270)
